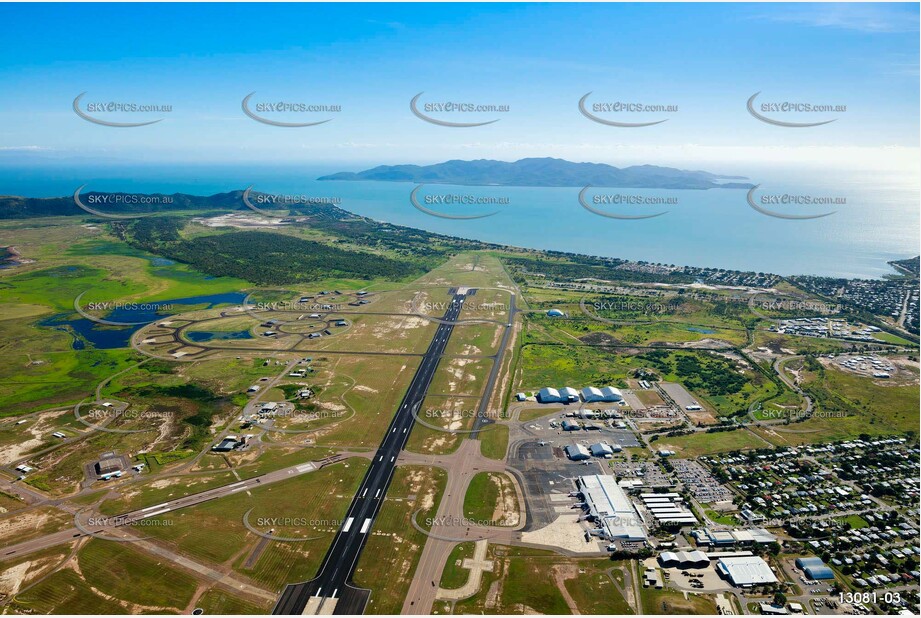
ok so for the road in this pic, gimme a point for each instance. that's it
(103, 524)
(332, 592)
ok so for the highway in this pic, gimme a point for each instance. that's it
(331, 591)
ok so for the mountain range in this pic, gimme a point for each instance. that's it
(546, 172)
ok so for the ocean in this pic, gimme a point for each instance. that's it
(876, 216)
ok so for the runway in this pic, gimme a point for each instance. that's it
(332, 591)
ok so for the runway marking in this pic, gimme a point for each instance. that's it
(364, 493)
(348, 524)
(155, 513)
(381, 458)
(392, 458)
(365, 526)
(159, 506)
(378, 494)
(334, 593)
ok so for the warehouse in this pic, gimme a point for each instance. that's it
(549, 395)
(608, 393)
(108, 464)
(665, 508)
(610, 507)
(814, 568)
(569, 425)
(684, 559)
(746, 571)
(611, 394)
(591, 394)
(569, 394)
(601, 449)
(577, 452)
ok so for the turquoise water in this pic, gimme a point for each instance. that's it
(715, 228)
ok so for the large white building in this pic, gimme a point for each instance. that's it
(611, 508)
(608, 393)
(549, 395)
(745, 571)
(569, 394)
(576, 452)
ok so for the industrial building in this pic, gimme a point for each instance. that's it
(684, 559)
(569, 425)
(717, 538)
(549, 395)
(569, 394)
(607, 393)
(814, 568)
(576, 452)
(667, 509)
(746, 571)
(227, 444)
(611, 509)
(601, 449)
(108, 464)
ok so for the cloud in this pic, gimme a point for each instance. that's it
(870, 18)
(23, 148)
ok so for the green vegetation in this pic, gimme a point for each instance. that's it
(703, 443)
(494, 441)
(391, 554)
(489, 494)
(673, 602)
(455, 575)
(264, 258)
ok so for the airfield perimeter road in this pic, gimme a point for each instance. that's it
(331, 591)
(80, 529)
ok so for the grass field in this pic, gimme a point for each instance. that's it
(114, 578)
(529, 582)
(389, 559)
(697, 444)
(214, 531)
(494, 441)
(491, 497)
(216, 601)
(595, 593)
(847, 406)
(455, 575)
(673, 602)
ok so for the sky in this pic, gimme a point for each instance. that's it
(537, 59)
